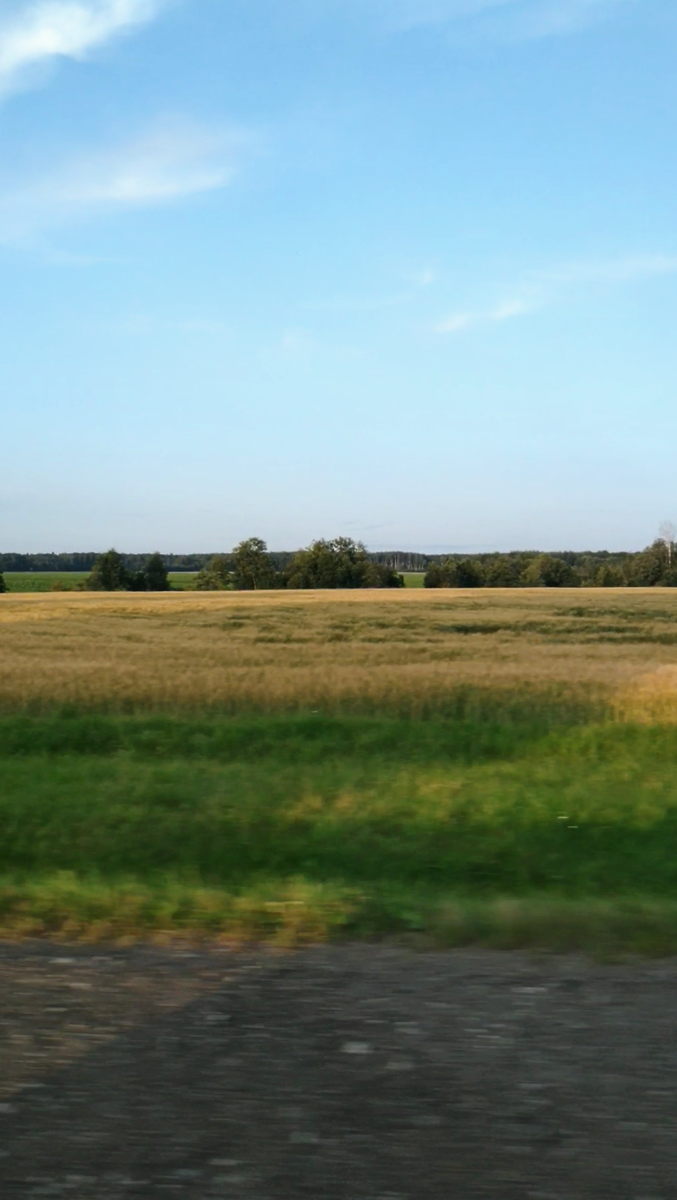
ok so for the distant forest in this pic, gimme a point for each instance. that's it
(400, 560)
(344, 563)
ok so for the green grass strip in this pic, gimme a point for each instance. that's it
(296, 912)
(298, 738)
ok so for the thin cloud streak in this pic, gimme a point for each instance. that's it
(505, 311)
(37, 33)
(622, 270)
(510, 19)
(544, 288)
(171, 161)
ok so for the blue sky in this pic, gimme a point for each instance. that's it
(404, 270)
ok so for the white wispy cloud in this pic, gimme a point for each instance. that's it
(519, 19)
(172, 160)
(544, 288)
(507, 310)
(33, 34)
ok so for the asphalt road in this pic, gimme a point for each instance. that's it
(354, 1073)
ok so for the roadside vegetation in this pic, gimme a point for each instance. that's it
(469, 768)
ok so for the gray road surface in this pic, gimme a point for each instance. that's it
(354, 1073)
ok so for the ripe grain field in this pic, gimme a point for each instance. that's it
(447, 767)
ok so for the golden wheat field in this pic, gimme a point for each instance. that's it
(405, 651)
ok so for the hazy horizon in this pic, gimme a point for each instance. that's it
(443, 548)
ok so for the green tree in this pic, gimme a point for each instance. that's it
(378, 575)
(609, 575)
(455, 573)
(548, 571)
(157, 579)
(108, 574)
(341, 563)
(469, 573)
(215, 577)
(252, 567)
(502, 572)
(152, 577)
(652, 567)
(433, 576)
(324, 564)
(3, 585)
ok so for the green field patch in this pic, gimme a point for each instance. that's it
(182, 581)
(43, 581)
(68, 581)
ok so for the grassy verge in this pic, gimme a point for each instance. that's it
(291, 913)
(535, 826)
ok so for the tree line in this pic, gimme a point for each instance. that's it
(337, 563)
(80, 562)
(340, 563)
(343, 563)
(398, 560)
(656, 566)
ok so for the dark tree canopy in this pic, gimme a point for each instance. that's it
(252, 566)
(455, 573)
(610, 576)
(3, 585)
(340, 563)
(156, 574)
(215, 576)
(503, 572)
(548, 571)
(653, 567)
(110, 574)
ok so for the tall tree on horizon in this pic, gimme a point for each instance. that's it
(156, 574)
(109, 574)
(253, 570)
